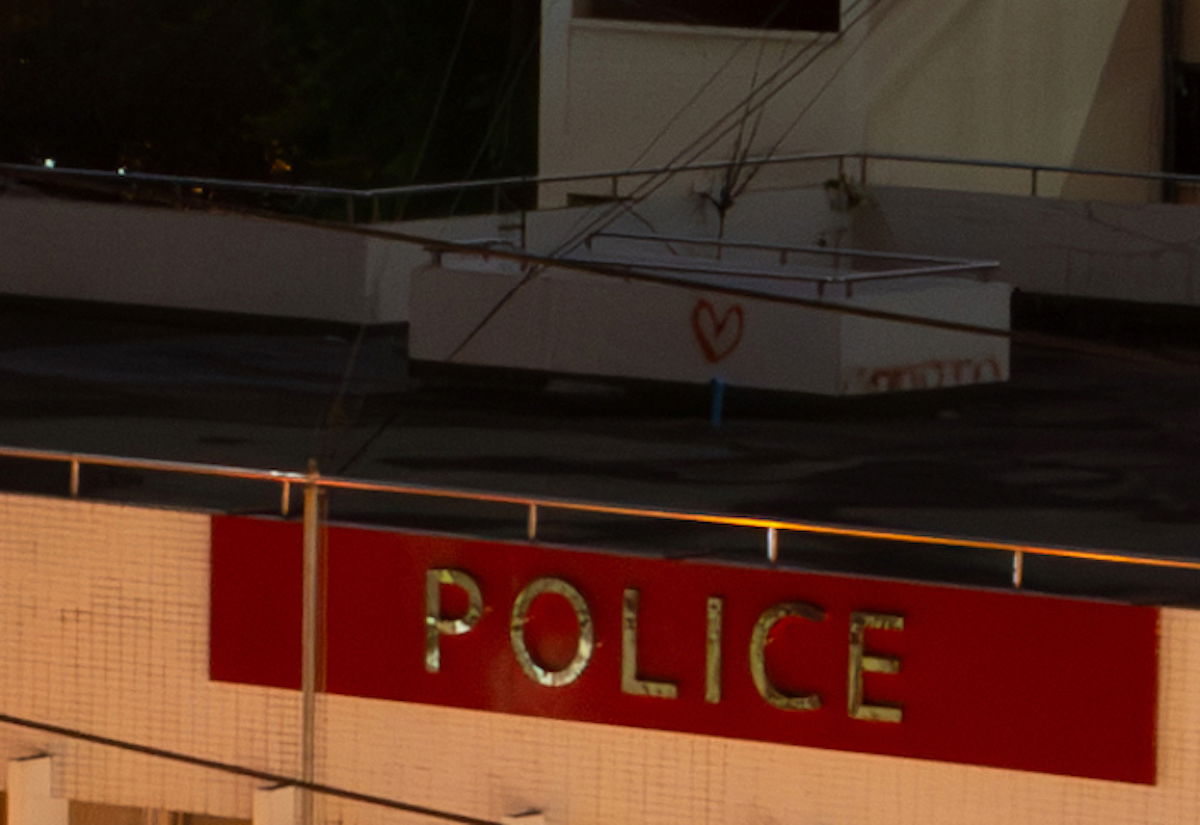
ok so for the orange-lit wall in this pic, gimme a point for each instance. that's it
(105, 616)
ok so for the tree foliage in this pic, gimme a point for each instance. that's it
(322, 91)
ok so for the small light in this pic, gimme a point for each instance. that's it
(120, 170)
(48, 163)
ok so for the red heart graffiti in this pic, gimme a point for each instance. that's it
(718, 337)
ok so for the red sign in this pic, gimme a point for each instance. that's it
(1004, 679)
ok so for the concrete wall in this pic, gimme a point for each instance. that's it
(173, 258)
(1023, 80)
(105, 610)
(159, 257)
(568, 322)
(1146, 253)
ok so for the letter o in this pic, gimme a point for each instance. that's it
(587, 635)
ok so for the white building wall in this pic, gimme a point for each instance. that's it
(1021, 80)
(105, 609)
(197, 260)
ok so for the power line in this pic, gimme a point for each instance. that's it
(327, 431)
(443, 88)
(696, 148)
(242, 770)
(768, 89)
(805, 110)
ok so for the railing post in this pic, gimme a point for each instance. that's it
(772, 545)
(309, 638)
(1033, 181)
(285, 498)
(349, 209)
(531, 522)
(1018, 568)
(74, 484)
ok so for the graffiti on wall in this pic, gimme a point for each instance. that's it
(930, 374)
(717, 334)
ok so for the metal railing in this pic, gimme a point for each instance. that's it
(364, 204)
(534, 507)
(927, 265)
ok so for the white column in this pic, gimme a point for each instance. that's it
(29, 799)
(279, 805)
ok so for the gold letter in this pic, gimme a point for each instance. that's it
(758, 660)
(712, 644)
(870, 663)
(630, 683)
(516, 632)
(435, 625)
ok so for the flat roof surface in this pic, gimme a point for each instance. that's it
(1075, 450)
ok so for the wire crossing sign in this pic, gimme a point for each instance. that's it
(1003, 679)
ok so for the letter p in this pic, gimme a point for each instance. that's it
(435, 624)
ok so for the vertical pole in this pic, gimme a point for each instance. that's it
(531, 522)
(1033, 181)
(772, 545)
(309, 639)
(1172, 26)
(285, 498)
(1018, 569)
(74, 478)
(716, 405)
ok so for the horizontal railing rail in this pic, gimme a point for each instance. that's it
(785, 250)
(822, 281)
(372, 195)
(927, 265)
(534, 506)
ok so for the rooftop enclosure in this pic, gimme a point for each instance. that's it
(746, 314)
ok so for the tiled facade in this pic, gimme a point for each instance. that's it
(104, 610)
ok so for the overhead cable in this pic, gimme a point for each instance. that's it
(750, 103)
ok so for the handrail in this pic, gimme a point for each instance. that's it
(1034, 169)
(535, 505)
(837, 251)
(848, 279)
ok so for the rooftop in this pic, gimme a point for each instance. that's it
(1075, 451)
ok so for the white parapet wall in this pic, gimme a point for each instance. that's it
(193, 259)
(105, 610)
(576, 323)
